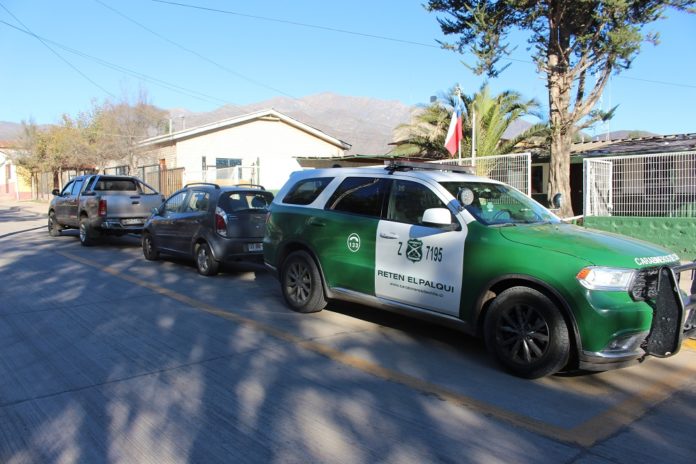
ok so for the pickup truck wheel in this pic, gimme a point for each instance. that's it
(205, 262)
(87, 233)
(300, 283)
(526, 333)
(53, 227)
(150, 251)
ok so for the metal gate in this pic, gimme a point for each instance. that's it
(597, 186)
(513, 169)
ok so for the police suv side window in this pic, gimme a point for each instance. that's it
(409, 200)
(306, 191)
(359, 195)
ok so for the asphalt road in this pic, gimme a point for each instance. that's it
(106, 357)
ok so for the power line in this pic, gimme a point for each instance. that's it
(54, 52)
(168, 85)
(379, 37)
(295, 23)
(193, 52)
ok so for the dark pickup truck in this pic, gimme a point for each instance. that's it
(102, 205)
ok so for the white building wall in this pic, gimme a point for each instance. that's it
(272, 143)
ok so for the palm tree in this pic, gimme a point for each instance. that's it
(425, 135)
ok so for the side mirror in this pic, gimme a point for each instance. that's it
(437, 217)
(155, 211)
(55, 192)
(557, 200)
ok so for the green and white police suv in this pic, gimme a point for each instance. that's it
(481, 256)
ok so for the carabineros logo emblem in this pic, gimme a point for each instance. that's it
(414, 250)
(353, 242)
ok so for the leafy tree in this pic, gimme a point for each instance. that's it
(425, 135)
(118, 127)
(578, 44)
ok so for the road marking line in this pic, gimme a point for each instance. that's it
(586, 434)
(689, 344)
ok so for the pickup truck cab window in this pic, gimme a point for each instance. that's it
(67, 189)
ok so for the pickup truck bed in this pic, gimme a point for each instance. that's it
(102, 204)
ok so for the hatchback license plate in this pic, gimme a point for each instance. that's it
(130, 222)
(255, 247)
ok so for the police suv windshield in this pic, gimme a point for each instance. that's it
(497, 204)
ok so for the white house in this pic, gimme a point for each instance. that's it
(259, 147)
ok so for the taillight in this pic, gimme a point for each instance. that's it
(102, 208)
(220, 222)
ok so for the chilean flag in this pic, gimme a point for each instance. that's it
(454, 133)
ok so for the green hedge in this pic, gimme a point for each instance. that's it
(676, 234)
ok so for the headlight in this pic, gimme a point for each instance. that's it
(605, 278)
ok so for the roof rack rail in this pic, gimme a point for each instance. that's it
(250, 185)
(217, 187)
(392, 166)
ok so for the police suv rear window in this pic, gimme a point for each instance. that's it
(306, 191)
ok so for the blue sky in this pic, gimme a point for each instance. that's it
(263, 59)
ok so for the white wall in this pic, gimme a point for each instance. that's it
(273, 143)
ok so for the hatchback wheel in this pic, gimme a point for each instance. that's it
(150, 251)
(205, 262)
(527, 333)
(301, 283)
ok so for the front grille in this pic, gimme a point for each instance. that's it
(644, 285)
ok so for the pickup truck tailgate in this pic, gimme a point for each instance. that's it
(136, 206)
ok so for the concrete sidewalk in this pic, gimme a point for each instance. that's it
(21, 216)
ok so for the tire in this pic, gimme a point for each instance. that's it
(87, 234)
(150, 251)
(205, 263)
(301, 283)
(526, 333)
(53, 227)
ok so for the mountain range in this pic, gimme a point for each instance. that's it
(365, 123)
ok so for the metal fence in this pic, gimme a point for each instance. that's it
(514, 169)
(655, 185)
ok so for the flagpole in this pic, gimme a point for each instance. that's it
(459, 98)
(473, 134)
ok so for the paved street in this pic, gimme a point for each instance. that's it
(106, 357)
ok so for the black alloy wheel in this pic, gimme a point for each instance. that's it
(527, 334)
(301, 283)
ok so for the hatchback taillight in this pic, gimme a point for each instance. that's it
(220, 222)
(102, 208)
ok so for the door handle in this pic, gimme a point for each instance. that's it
(316, 222)
(388, 235)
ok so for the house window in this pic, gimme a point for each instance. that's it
(221, 163)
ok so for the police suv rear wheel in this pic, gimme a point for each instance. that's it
(300, 283)
(526, 333)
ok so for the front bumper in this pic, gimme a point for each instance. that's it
(673, 319)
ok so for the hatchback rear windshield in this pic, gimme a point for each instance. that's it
(251, 201)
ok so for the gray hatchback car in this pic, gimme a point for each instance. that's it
(209, 223)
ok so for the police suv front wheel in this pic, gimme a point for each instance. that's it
(300, 283)
(526, 333)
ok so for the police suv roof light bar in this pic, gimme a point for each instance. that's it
(392, 166)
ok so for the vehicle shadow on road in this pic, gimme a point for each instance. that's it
(96, 368)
